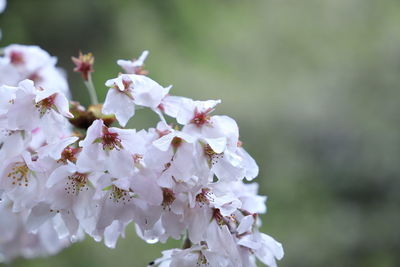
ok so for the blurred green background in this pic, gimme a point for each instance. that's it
(313, 84)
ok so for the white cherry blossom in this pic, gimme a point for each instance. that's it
(126, 91)
(177, 180)
(134, 66)
(22, 62)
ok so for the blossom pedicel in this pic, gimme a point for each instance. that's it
(177, 180)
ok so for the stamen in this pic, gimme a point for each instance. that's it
(201, 118)
(120, 195)
(204, 197)
(110, 140)
(168, 198)
(46, 104)
(69, 154)
(218, 217)
(202, 260)
(19, 174)
(76, 183)
(212, 155)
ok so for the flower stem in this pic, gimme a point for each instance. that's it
(92, 91)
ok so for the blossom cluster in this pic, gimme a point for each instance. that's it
(67, 172)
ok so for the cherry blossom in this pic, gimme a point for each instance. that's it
(21, 62)
(134, 66)
(126, 91)
(186, 178)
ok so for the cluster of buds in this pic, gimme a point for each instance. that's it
(189, 177)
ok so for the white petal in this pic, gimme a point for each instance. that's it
(62, 105)
(54, 150)
(27, 86)
(58, 175)
(93, 132)
(112, 233)
(164, 142)
(142, 58)
(119, 104)
(245, 224)
(45, 93)
(218, 145)
(39, 214)
(249, 164)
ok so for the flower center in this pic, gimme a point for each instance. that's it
(110, 140)
(119, 195)
(46, 104)
(201, 118)
(203, 198)
(176, 142)
(218, 217)
(168, 198)
(16, 58)
(69, 154)
(127, 83)
(76, 183)
(213, 157)
(19, 174)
